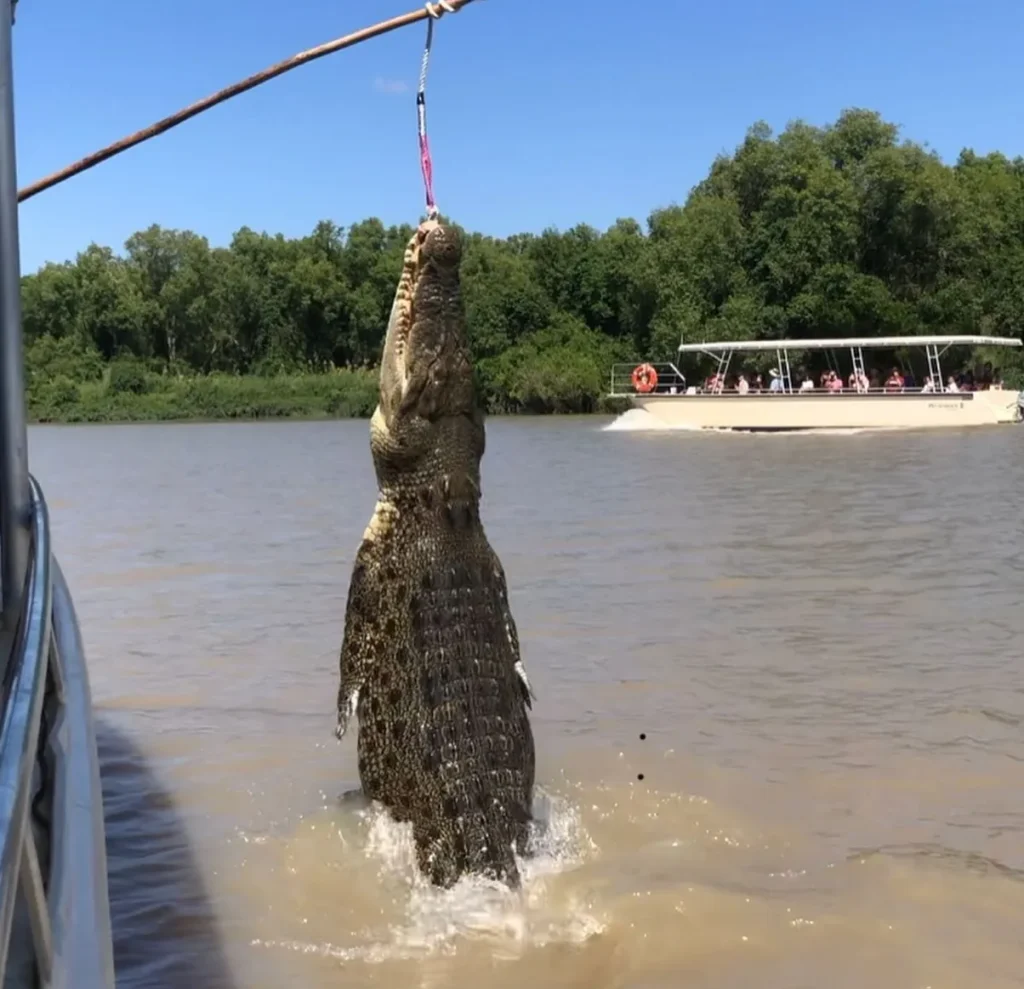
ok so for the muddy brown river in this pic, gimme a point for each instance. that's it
(820, 639)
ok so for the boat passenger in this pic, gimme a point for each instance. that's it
(929, 385)
(742, 385)
(776, 384)
(895, 381)
(951, 384)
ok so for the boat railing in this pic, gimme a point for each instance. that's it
(54, 909)
(669, 379)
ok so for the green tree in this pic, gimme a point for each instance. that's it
(815, 231)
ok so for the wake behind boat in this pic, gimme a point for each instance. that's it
(855, 402)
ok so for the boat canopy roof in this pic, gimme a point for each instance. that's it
(839, 343)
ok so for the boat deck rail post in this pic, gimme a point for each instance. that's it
(15, 501)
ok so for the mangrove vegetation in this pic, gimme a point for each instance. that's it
(814, 232)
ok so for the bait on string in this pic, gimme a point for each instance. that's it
(435, 10)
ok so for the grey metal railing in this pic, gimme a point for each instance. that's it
(52, 842)
(19, 748)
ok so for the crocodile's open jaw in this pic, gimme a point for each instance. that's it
(425, 368)
(427, 429)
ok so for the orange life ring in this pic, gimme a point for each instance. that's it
(645, 378)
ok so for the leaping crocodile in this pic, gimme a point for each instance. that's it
(430, 657)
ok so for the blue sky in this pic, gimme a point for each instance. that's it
(542, 112)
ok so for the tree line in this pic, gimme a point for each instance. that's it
(815, 232)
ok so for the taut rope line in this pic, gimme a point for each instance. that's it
(435, 10)
(430, 12)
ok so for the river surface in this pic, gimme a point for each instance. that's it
(809, 647)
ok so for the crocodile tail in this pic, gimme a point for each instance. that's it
(477, 843)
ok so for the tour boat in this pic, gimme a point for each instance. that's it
(661, 390)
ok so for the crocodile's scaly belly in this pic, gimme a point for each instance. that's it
(444, 736)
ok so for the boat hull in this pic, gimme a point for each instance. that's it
(819, 410)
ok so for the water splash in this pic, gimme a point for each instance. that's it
(640, 420)
(483, 909)
(434, 922)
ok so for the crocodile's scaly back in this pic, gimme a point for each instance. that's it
(430, 659)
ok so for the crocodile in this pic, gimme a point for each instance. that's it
(430, 661)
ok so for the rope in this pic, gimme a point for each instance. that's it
(429, 13)
(436, 11)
